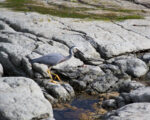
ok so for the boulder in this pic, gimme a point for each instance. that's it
(146, 58)
(131, 65)
(1, 70)
(126, 96)
(127, 86)
(22, 99)
(140, 95)
(58, 91)
(106, 83)
(134, 111)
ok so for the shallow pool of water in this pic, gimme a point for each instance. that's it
(82, 104)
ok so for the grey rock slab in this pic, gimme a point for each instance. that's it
(11, 58)
(103, 83)
(109, 39)
(2, 0)
(5, 27)
(131, 65)
(114, 68)
(22, 99)
(78, 40)
(111, 103)
(1, 70)
(140, 95)
(127, 86)
(25, 40)
(141, 27)
(59, 91)
(83, 70)
(9, 68)
(16, 52)
(112, 38)
(134, 111)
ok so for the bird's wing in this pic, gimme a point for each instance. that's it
(51, 59)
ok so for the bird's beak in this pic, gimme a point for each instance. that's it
(77, 50)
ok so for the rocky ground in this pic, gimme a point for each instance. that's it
(113, 56)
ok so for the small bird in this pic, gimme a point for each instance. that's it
(52, 60)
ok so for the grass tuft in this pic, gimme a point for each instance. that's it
(63, 11)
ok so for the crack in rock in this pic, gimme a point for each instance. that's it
(130, 30)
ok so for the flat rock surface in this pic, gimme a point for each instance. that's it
(110, 38)
(22, 99)
(134, 111)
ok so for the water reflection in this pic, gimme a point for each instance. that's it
(81, 104)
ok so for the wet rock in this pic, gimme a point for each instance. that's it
(80, 77)
(103, 84)
(1, 70)
(127, 86)
(78, 85)
(111, 103)
(61, 92)
(146, 58)
(140, 95)
(81, 71)
(113, 68)
(120, 101)
(58, 91)
(125, 89)
(106, 83)
(131, 65)
(134, 111)
(22, 99)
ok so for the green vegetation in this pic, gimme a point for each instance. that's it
(63, 11)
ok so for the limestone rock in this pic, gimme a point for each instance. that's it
(127, 86)
(140, 95)
(134, 111)
(1, 70)
(146, 58)
(59, 91)
(106, 83)
(22, 99)
(131, 65)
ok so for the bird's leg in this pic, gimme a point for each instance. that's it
(56, 76)
(50, 75)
